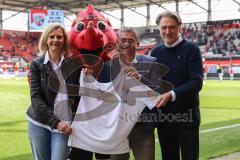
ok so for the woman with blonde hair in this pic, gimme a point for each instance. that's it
(48, 131)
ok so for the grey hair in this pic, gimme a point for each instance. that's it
(170, 14)
(128, 29)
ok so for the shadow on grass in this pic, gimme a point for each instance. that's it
(11, 123)
(220, 124)
(19, 157)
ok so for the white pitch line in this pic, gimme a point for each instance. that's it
(215, 129)
(219, 128)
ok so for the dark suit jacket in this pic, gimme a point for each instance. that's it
(150, 71)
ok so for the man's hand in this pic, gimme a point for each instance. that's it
(64, 128)
(132, 72)
(164, 99)
(87, 71)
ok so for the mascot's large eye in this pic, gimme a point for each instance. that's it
(79, 27)
(102, 26)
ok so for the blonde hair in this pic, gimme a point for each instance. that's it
(42, 44)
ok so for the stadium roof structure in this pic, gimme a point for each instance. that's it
(74, 6)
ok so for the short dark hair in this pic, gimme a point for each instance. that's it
(170, 14)
(128, 29)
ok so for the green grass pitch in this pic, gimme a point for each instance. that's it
(220, 107)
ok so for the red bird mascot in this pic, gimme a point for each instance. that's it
(92, 34)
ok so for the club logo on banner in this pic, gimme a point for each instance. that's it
(38, 19)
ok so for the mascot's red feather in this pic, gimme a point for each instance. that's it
(91, 33)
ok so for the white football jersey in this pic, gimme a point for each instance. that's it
(107, 112)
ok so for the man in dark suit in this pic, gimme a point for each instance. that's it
(141, 138)
(179, 113)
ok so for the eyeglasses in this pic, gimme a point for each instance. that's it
(123, 40)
